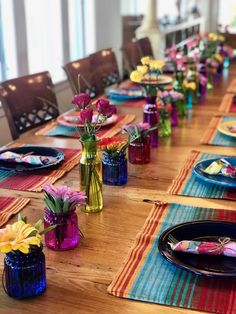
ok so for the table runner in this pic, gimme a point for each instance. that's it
(232, 87)
(226, 104)
(147, 276)
(55, 129)
(33, 180)
(10, 206)
(187, 184)
(213, 137)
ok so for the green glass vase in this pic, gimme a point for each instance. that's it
(91, 176)
(164, 127)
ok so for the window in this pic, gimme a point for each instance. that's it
(227, 15)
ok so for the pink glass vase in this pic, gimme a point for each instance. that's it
(139, 151)
(66, 234)
(151, 116)
(174, 115)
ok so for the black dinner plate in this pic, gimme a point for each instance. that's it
(35, 150)
(205, 230)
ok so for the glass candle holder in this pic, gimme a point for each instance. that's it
(25, 274)
(66, 234)
(139, 151)
(114, 170)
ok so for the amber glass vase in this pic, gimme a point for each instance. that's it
(91, 176)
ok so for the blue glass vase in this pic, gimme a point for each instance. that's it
(25, 274)
(114, 170)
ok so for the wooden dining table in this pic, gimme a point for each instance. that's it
(77, 280)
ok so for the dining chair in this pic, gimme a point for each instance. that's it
(105, 64)
(28, 101)
(132, 55)
(145, 47)
(81, 76)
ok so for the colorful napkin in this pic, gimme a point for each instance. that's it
(147, 276)
(27, 158)
(227, 104)
(187, 184)
(232, 87)
(213, 137)
(55, 129)
(33, 180)
(224, 246)
(10, 206)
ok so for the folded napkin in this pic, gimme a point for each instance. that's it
(221, 167)
(27, 158)
(224, 246)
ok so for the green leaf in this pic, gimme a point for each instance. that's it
(47, 229)
(38, 224)
(65, 206)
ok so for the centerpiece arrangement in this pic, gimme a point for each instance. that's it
(139, 142)
(90, 162)
(148, 75)
(114, 163)
(24, 263)
(60, 209)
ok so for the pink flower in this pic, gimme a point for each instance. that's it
(86, 115)
(81, 100)
(144, 125)
(105, 108)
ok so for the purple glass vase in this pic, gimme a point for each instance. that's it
(66, 234)
(151, 116)
(139, 151)
(174, 115)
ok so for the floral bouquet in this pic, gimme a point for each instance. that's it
(139, 142)
(114, 164)
(60, 208)
(92, 120)
(24, 263)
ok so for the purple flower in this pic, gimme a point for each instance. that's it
(86, 115)
(81, 100)
(105, 108)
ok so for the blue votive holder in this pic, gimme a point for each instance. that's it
(25, 274)
(114, 170)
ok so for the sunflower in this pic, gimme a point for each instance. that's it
(18, 236)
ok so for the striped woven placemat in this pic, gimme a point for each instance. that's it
(10, 206)
(147, 276)
(187, 184)
(227, 105)
(213, 137)
(232, 87)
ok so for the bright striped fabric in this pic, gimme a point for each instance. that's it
(232, 87)
(55, 129)
(226, 105)
(147, 276)
(213, 137)
(33, 180)
(187, 184)
(10, 206)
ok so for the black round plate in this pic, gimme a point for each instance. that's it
(35, 150)
(205, 230)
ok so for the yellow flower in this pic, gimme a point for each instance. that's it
(156, 64)
(136, 76)
(142, 69)
(18, 236)
(218, 57)
(189, 85)
(145, 60)
(221, 38)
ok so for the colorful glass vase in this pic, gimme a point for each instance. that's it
(25, 274)
(139, 151)
(114, 170)
(164, 125)
(151, 116)
(178, 86)
(174, 114)
(66, 234)
(91, 177)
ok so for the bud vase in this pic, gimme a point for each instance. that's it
(174, 114)
(164, 125)
(91, 177)
(25, 274)
(114, 170)
(150, 115)
(189, 96)
(66, 234)
(139, 151)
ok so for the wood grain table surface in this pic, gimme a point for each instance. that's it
(77, 280)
